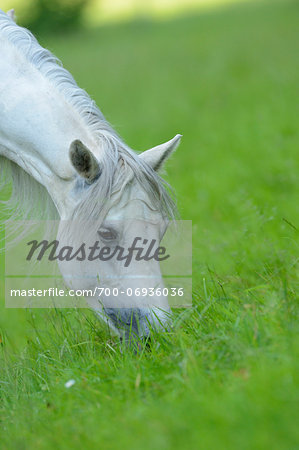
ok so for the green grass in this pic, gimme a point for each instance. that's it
(227, 376)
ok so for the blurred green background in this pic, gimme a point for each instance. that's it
(225, 75)
(55, 14)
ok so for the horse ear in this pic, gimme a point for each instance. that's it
(156, 156)
(84, 161)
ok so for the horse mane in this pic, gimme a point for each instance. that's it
(120, 161)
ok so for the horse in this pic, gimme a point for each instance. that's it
(61, 152)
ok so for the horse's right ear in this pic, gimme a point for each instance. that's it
(84, 161)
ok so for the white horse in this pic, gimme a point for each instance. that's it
(58, 147)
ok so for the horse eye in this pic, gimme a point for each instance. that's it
(107, 234)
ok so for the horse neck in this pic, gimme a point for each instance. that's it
(37, 126)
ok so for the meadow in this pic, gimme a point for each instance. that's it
(227, 376)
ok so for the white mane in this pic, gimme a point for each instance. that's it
(120, 161)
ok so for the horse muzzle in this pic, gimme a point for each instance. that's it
(139, 322)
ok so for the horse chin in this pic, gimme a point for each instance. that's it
(138, 323)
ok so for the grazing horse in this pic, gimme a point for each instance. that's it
(63, 154)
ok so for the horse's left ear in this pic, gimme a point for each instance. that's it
(156, 156)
